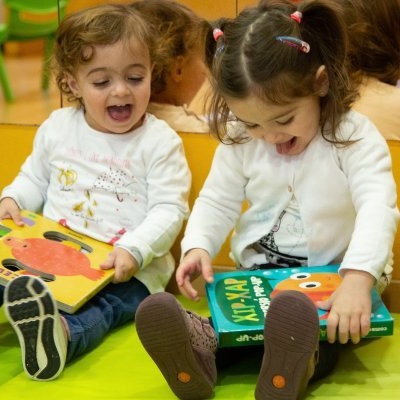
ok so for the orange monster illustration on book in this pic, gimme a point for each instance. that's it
(48, 258)
(317, 286)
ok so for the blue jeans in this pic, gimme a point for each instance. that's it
(113, 306)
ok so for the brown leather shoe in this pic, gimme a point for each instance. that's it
(181, 343)
(291, 337)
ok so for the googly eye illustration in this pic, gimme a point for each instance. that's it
(310, 285)
(300, 276)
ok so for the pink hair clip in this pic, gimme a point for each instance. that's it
(297, 16)
(217, 33)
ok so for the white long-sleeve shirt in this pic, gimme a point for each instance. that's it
(129, 189)
(346, 198)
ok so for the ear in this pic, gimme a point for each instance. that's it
(177, 69)
(73, 85)
(321, 81)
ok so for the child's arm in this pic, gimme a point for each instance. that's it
(167, 186)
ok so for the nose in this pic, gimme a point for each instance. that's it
(120, 88)
(269, 136)
(274, 138)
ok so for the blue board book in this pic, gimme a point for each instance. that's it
(239, 301)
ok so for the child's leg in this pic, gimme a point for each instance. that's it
(291, 335)
(328, 357)
(113, 306)
(181, 343)
(32, 311)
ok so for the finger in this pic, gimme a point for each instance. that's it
(188, 290)
(118, 275)
(324, 305)
(344, 329)
(179, 277)
(208, 273)
(365, 324)
(332, 326)
(108, 262)
(355, 330)
(116, 278)
(16, 217)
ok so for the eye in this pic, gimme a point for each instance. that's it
(300, 276)
(101, 83)
(239, 122)
(251, 126)
(309, 285)
(135, 79)
(285, 121)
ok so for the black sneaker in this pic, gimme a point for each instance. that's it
(32, 312)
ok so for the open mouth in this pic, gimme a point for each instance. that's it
(120, 112)
(284, 148)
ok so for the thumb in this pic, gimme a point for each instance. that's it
(324, 304)
(16, 217)
(207, 272)
(109, 262)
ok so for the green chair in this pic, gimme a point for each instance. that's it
(30, 20)
(8, 95)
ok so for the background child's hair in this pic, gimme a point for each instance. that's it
(178, 31)
(101, 25)
(249, 60)
(374, 37)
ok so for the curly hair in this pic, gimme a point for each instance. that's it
(80, 32)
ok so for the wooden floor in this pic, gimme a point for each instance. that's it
(31, 104)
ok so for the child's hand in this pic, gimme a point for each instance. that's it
(10, 209)
(350, 308)
(124, 263)
(195, 262)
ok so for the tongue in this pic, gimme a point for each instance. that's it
(119, 112)
(284, 148)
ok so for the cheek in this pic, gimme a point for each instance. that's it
(94, 103)
(308, 124)
(307, 132)
(257, 133)
(197, 75)
(145, 93)
(312, 127)
(141, 98)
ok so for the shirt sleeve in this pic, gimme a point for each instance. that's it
(168, 185)
(368, 168)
